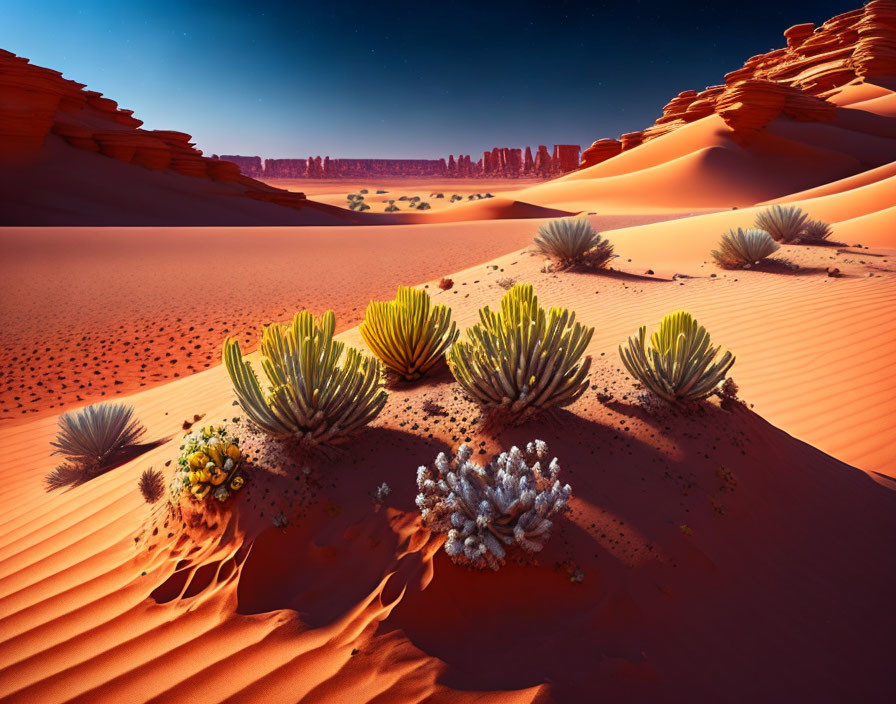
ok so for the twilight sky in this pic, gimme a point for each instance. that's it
(397, 79)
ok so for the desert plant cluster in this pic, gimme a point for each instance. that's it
(516, 362)
(209, 464)
(774, 226)
(484, 510)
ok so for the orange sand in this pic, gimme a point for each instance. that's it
(692, 532)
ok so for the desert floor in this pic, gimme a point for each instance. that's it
(713, 545)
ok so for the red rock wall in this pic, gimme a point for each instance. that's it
(792, 81)
(37, 102)
(249, 165)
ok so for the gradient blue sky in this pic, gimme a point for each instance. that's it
(397, 79)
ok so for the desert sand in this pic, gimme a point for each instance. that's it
(735, 553)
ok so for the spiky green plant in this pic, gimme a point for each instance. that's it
(522, 359)
(573, 241)
(313, 395)
(816, 231)
(679, 364)
(409, 335)
(783, 223)
(91, 436)
(744, 248)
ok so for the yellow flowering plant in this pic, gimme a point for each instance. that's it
(209, 464)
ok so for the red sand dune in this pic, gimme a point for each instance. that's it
(692, 533)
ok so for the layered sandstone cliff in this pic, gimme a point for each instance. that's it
(792, 82)
(38, 103)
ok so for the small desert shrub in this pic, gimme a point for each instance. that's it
(409, 335)
(89, 439)
(209, 463)
(486, 510)
(522, 359)
(152, 485)
(506, 282)
(783, 223)
(816, 231)
(440, 195)
(679, 365)
(391, 208)
(744, 248)
(314, 396)
(573, 241)
(424, 206)
(446, 283)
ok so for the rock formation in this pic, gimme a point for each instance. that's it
(792, 82)
(249, 165)
(38, 102)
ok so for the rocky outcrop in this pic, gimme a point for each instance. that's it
(601, 150)
(791, 82)
(249, 165)
(38, 102)
(748, 106)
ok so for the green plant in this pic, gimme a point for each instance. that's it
(816, 231)
(744, 248)
(522, 359)
(314, 396)
(679, 364)
(409, 335)
(573, 241)
(209, 463)
(783, 223)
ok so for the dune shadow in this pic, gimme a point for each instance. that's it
(439, 375)
(617, 274)
(332, 554)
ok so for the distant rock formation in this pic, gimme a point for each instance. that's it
(499, 162)
(792, 82)
(249, 165)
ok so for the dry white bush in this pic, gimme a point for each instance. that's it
(485, 510)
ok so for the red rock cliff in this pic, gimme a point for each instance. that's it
(792, 82)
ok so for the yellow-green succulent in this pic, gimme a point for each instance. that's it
(679, 364)
(523, 359)
(314, 395)
(409, 334)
